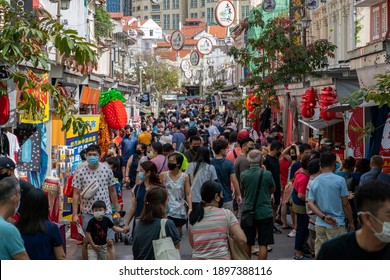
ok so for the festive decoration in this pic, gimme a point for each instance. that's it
(113, 108)
(4, 108)
(327, 98)
(308, 103)
(104, 135)
(251, 103)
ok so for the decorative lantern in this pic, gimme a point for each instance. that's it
(113, 108)
(308, 103)
(327, 97)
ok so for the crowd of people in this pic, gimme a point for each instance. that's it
(204, 172)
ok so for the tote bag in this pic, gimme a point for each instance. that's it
(163, 248)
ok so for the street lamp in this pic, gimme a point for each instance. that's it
(140, 68)
(61, 5)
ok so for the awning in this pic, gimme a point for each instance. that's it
(342, 107)
(145, 111)
(90, 96)
(320, 123)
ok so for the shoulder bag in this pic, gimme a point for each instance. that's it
(248, 216)
(163, 248)
(90, 190)
(237, 251)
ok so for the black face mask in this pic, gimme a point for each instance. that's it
(294, 157)
(201, 126)
(171, 166)
(138, 152)
(2, 176)
(207, 125)
(195, 148)
(278, 154)
(128, 135)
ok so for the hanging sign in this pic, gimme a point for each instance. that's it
(204, 46)
(177, 40)
(312, 4)
(132, 33)
(167, 38)
(269, 5)
(194, 58)
(188, 74)
(225, 13)
(185, 65)
(158, 58)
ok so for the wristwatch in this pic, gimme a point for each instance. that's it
(323, 217)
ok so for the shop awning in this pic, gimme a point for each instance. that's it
(90, 96)
(320, 123)
(342, 107)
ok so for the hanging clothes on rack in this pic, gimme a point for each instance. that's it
(4, 143)
(14, 146)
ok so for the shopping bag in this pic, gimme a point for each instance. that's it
(163, 248)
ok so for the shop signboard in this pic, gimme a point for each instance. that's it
(74, 141)
(204, 46)
(225, 13)
(177, 40)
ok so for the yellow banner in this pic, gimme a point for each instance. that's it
(43, 98)
(93, 122)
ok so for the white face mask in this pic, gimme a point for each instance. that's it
(98, 214)
(384, 235)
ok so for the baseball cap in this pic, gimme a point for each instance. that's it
(6, 162)
(243, 134)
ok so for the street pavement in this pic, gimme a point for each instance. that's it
(283, 249)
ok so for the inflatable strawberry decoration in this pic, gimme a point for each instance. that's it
(113, 108)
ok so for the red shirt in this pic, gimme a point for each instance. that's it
(284, 166)
(300, 181)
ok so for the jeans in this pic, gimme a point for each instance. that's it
(302, 231)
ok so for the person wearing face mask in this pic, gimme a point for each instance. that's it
(195, 143)
(127, 148)
(145, 137)
(7, 169)
(11, 242)
(132, 166)
(157, 157)
(210, 223)
(372, 240)
(96, 231)
(179, 191)
(204, 133)
(328, 199)
(166, 138)
(148, 178)
(272, 164)
(100, 175)
(226, 174)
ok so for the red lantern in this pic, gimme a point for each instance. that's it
(327, 97)
(308, 103)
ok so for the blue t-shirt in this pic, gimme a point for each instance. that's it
(178, 138)
(326, 190)
(40, 246)
(11, 243)
(224, 168)
(128, 146)
(139, 192)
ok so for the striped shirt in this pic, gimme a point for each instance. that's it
(210, 234)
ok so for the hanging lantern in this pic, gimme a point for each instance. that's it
(113, 108)
(308, 103)
(327, 97)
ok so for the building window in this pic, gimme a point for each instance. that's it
(145, 8)
(155, 8)
(194, 15)
(244, 11)
(138, 8)
(175, 4)
(156, 18)
(194, 4)
(376, 23)
(203, 3)
(210, 15)
(167, 22)
(203, 14)
(151, 33)
(167, 5)
(146, 17)
(175, 21)
(384, 20)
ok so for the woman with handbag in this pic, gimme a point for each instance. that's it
(211, 225)
(149, 226)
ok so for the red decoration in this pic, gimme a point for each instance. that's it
(327, 97)
(4, 109)
(308, 103)
(113, 108)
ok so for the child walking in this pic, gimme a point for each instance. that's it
(96, 232)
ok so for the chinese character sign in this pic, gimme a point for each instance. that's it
(225, 13)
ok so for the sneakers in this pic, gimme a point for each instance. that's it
(292, 233)
(276, 230)
(300, 258)
(269, 248)
(255, 249)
